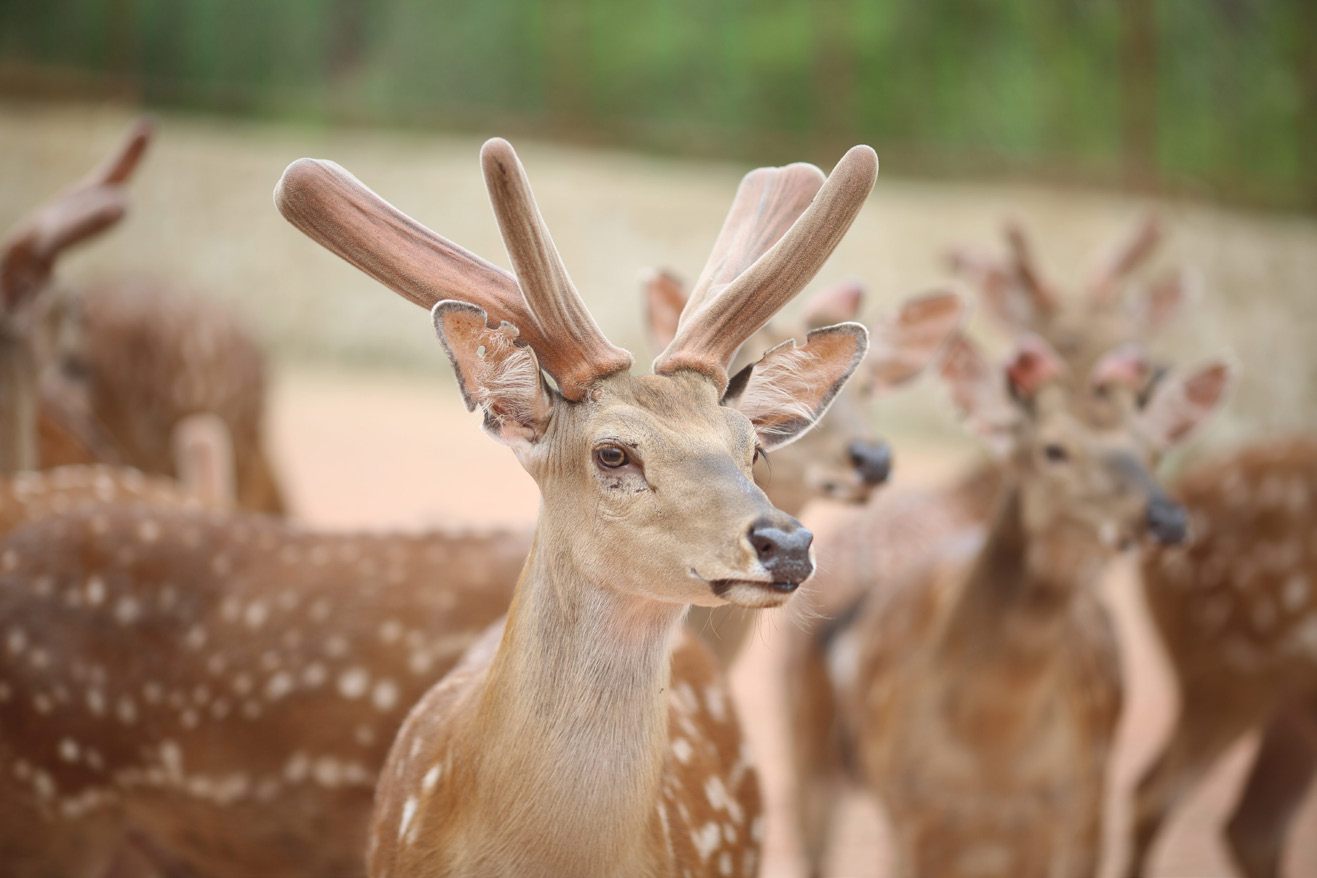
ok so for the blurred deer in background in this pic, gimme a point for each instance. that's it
(840, 459)
(588, 735)
(110, 373)
(1231, 604)
(1237, 613)
(978, 698)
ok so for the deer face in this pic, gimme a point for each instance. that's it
(1083, 454)
(649, 479)
(1091, 473)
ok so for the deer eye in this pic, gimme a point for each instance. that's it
(1055, 453)
(611, 456)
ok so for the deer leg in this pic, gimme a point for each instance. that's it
(1205, 730)
(1276, 786)
(815, 757)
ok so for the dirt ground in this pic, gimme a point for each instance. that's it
(383, 448)
(365, 445)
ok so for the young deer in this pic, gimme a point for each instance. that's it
(588, 736)
(109, 374)
(1235, 609)
(978, 699)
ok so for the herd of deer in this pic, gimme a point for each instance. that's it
(190, 685)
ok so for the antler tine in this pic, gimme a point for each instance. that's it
(1126, 257)
(337, 211)
(709, 338)
(576, 353)
(28, 253)
(123, 162)
(767, 202)
(1024, 267)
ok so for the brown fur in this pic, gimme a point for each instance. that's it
(1235, 609)
(231, 683)
(978, 696)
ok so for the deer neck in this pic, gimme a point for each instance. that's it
(18, 405)
(1019, 594)
(573, 717)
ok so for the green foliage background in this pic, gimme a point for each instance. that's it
(1213, 96)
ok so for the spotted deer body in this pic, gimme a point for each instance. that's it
(589, 736)
(978, 697)
(1234, 608)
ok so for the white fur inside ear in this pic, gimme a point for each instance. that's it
(508, 377)
(494, 373)
(792, 386)
(777, 392)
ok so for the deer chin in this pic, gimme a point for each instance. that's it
(751, 593)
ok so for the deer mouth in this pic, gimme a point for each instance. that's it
(750, 592)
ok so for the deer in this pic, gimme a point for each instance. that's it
(840, 459)
(977, 699)
(250, 740)
(1234, 608)
(1239, 665)
(108, 373)
(587, 734)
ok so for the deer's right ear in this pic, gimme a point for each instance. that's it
(665, 297)
(786, 392)
(494, 373)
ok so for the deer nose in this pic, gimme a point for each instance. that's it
(872, 460)
(783, 552)
(1167, 521)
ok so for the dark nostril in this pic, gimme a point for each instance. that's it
(1167, 522)
(783, 551)
(872, 460)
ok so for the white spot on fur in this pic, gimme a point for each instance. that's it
(431, 779)
(408, 812)
(706, 840)
(681, 748)
(353, 682)
(385, 695)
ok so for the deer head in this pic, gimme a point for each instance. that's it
(37, 326)
(646, 480)
(841, 459)
(1082, 454)
(1109, 311)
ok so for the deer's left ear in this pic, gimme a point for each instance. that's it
(1180, 403)
(786, 392)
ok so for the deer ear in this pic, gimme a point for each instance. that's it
(978, 392)
(1180, 404)
(904, 345)
(786, 392)
(838, 303)
(1033, 364)
(494, 373)
(665, 297)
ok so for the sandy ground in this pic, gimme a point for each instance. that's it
(384, 449)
